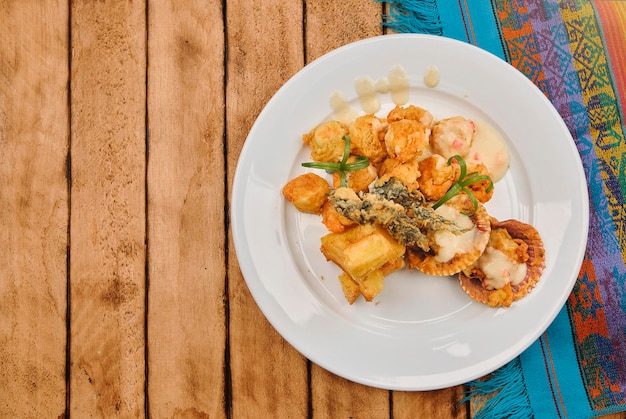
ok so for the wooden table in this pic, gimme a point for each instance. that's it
(120, 127)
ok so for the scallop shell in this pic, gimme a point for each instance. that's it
(535, 265)
(428, 263)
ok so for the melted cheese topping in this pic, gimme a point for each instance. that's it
(500, 269)
(451, 244)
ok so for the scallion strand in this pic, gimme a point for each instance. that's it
(360, 162)
(465, 179)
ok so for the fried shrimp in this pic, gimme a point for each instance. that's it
(406, 139)
(413, 112)
(452, 136)
(382, 206)
(307, 192)
(367, 135)
(436, 176)
(408, 173)
(326, 141)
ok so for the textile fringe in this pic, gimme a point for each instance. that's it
(413, 16)
(502, 394)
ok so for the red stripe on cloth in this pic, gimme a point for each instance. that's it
(557, 397)
(612, 16)
(467, 21)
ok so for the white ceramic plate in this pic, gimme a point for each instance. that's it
(421, 332)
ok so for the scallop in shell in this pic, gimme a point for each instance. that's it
(452, 252)
(509, 268)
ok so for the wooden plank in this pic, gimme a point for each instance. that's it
(34, 139)
(435, 404)
(330, 25)
(269, 377)
(186, 311)
(107, 251)
(335, 397)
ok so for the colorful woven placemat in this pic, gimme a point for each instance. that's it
(575, 52)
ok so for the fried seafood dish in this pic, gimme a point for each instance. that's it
(510, 266)
(452, 251)
(400, 194)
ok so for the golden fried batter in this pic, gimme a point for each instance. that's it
(358, 180)
(367, 134)
(406, 139)
(413, 112)
(479, 189)
(408, 173)
(326, 141)
(452, 136)
(436, 177)
(307, 192)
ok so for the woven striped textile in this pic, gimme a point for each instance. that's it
(575, 52)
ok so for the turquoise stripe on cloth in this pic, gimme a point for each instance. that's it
(473, 22)
(577, 368)
(568, 402)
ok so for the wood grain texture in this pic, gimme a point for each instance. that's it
(330, 25)
(34, 140)
(107, 252)
(121, 123)
(269, 377)
(186, 210)
(336, 397)
(436, 404)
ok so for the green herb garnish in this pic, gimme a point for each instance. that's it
(465, 179)
(359, 163)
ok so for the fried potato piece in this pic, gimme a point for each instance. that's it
(307, 192)
(367, 135)
(406, 139)
(326, 141)
(361, 250)
(350, 288)
(371, 284)
(368, 286)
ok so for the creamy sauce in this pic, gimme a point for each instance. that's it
(343, 112)
(500, 269)
(450, 243)
(431, 78)
(489, 148)
(382, 85)
(368, 96)
(399, 85)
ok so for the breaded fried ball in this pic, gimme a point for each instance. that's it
(359, 180)
(452, 136)
(413, 112)
(406, 139)
(479, 189)
(326, 141)
(334, 221)
(407, 173)
(367, 134)
(307, 192)
(436, 177)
